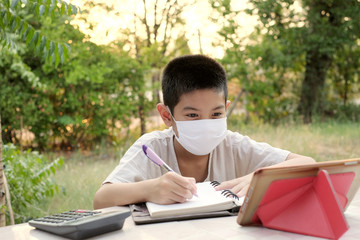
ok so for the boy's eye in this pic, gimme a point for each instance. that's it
(192, 115)
(217, 114)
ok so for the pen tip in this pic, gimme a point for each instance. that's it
(144, 148)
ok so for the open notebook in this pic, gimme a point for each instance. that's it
(209, 203)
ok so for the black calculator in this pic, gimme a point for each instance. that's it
(80, 224)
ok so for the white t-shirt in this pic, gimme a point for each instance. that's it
(234, 157)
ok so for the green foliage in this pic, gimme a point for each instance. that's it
(344, 76)
(261, 70)
(89, 98)
(325, 28)
(13, 22)
(16, 77)
(29, 177)
(272, 82)
(342, 113)
(293, 46)
(94, 94)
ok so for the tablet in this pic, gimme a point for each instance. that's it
(276, 182)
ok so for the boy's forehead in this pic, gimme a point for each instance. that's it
(204, 98)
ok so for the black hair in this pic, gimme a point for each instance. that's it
(191, 72)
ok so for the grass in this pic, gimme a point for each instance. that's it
(83, 174)
(321, 141)
(79, 179)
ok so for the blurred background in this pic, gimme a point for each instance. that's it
(77, 88)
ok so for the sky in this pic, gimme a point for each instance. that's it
(107, 26)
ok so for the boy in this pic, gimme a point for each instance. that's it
(197, 145)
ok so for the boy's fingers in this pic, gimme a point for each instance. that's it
(181, 193)
(226, 185)
(185, 182)
(185, 186)
(193, 183)
(243, 191)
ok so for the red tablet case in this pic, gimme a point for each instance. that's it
(309, 205)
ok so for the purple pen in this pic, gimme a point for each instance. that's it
(155, 158)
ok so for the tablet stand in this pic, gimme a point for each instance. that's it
(307, 205)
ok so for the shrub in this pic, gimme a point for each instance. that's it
(29, 177)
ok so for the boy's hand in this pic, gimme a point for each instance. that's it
(171, 188)
(239, 186)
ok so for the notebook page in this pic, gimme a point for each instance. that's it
(208, 200)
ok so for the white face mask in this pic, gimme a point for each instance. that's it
(200, 137)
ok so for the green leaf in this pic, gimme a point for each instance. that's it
(2, 14)
(7, 18)
(36, 9)
(51, 48)
(57, 55)
(35, 39)
(46, 47)
(52, 13)
(14, 4)
(18, 21)
(63, 8)
(7, 4)
(8, 40)
(41, 10)
(29, 36)
(13, 24)
(43, 43)
(52, 58)
(26, 33)
(33, 7)
(44, 53)
(20, 28)
(24, 28)
(61, 53)
(66, 49)
(60, 49)
(74, 9)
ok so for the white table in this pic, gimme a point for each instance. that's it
(208, 229)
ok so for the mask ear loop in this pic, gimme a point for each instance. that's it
(174, 121)
(170, 113)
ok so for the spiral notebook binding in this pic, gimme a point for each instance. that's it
(228, 193)
(214, 183)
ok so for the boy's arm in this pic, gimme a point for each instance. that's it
(169, 188)
(240, 185)
(294, 159)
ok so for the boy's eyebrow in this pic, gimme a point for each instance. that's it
(190, 108)
(195, 109)
(219, 107)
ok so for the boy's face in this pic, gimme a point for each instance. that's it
(201, 104)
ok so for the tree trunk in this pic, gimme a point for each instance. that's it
(233, 104)
(2, 185)
(311, 99)
(346, 87)
(155, 80)
(141, 111)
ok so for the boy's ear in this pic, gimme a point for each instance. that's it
(164, 114)
(227, 104)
